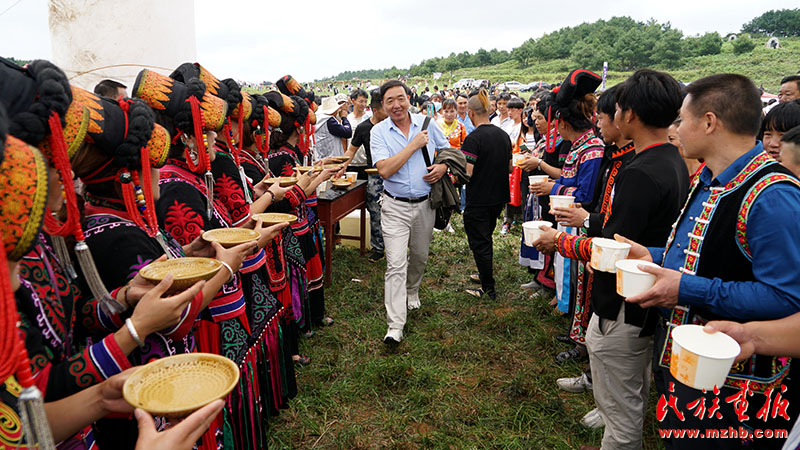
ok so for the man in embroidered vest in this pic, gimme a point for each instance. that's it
(732, 255)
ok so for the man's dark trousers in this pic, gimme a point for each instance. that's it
(479, 223)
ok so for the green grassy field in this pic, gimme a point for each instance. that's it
(470, 374)
(764, 66)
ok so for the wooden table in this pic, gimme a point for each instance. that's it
(335, 204)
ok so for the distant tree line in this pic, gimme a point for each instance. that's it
(625, 43)
(781, 23)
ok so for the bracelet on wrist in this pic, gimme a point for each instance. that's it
(133, 333)
(230, 270)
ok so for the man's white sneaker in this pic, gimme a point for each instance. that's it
(393, 336)
(575, 385)
(593, 420)
(532, 285)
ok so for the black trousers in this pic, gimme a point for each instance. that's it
(479, 223)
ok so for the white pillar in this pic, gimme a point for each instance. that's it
(88, 36)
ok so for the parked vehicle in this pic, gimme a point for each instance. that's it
(464, 83)
(511, 86)
(536, 85)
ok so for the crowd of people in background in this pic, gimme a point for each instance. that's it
(662, 166)
(699, 179)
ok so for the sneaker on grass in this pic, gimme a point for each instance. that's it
(575, 385)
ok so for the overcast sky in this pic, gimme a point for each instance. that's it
(312, 39)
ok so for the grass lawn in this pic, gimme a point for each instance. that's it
(470, 373)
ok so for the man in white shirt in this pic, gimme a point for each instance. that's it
(359, 114)
(502, 119)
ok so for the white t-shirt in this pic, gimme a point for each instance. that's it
(360, 158)
(506, 124)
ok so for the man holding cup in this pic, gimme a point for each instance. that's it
(732, 255)
(645, 201)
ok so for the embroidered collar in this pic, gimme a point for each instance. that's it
(627, 148)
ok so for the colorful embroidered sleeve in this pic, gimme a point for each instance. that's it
(228, 189)
(584, 183)
(470, 150)
(296, 196)
(775, 246)
(574, 247)
(57, 371)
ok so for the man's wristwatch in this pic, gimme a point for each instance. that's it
(586, 221)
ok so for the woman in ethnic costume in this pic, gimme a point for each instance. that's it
(288, 147)
(233, 191)
(186, 208)
(575, 106)
(49, 318)
(546, 158)
(119, 168)
(285, 264)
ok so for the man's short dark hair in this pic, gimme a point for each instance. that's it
(792, 136)
(358, 93)
(375, 99)
(109, 88)
(607, 103)
(790, 78)
(654, 96)
(516, 103)
(732, 97)
(504, 96)
(782, 117)
(461, 94)
(393, 83)
(492, 98)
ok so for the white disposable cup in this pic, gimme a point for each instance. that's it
(531, 231)
(517, 158)
(351, 176)
(701, 360)
(561, 201)
(535, 179)
(630, 280)
(606, 253)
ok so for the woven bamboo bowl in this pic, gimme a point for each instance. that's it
(341, 183)
(339, 159)
(371, 171)
(185, 271)
(283, 181)
(269, 219)
(333, 166)
(231, 237)
(176, 386)
(304, 169)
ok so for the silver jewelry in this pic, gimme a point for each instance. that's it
(132, 331)
(228, 266)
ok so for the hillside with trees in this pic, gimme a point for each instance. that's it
(626, 44)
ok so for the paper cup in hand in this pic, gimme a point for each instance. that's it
(701, 360)
(532, 232)
(606, 253)
(561, 201)
(630, 280)
(518, 158)
(536, 179)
